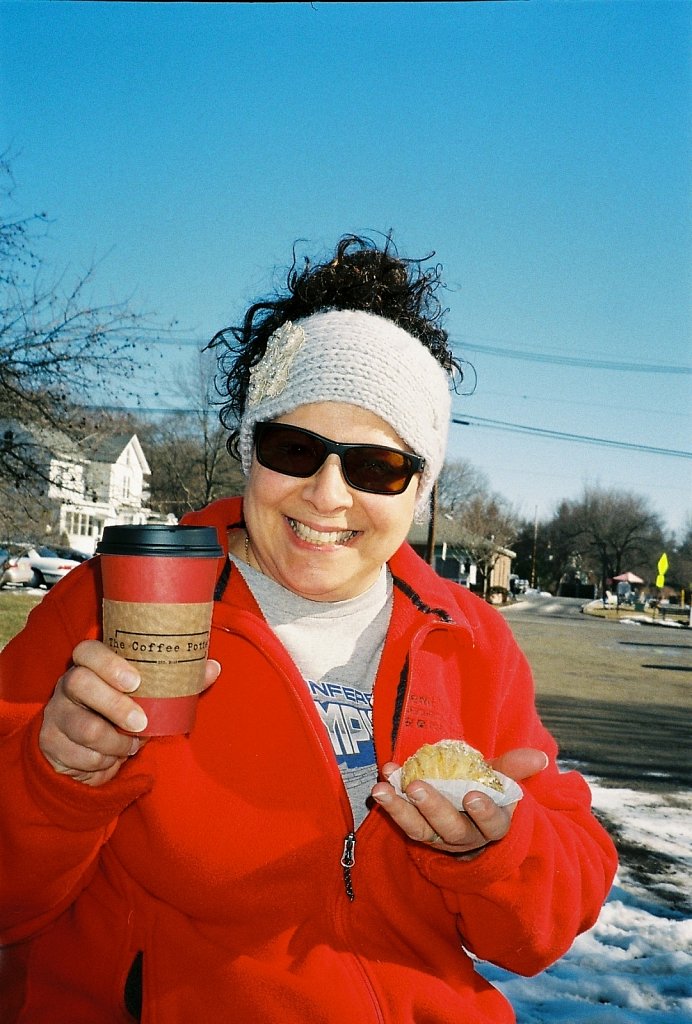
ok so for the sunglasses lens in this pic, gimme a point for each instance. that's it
(289, 451)
(286, 449)
(377, 469)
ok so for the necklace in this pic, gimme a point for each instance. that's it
(247, 547)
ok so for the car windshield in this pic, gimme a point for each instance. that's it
(46, 553)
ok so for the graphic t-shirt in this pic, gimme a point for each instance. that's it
(337, 647)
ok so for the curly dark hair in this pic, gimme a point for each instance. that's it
(359, 276)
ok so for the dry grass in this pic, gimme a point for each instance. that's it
(14, 608)
(617, 697)
(606, 659)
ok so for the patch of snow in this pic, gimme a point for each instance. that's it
(635, 965)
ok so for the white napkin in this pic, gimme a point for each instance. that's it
(456, 789)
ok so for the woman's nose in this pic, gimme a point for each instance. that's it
(327, 489)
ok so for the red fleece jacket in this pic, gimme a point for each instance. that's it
(209, 871)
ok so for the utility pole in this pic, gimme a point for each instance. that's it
(430, 548)
(535, 544)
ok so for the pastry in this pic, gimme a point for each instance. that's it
(449, 759)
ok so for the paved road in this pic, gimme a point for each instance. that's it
(546, 604)
(617, 696)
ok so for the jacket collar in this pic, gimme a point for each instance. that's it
(429, 596)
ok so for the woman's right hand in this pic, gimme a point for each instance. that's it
(79, 736)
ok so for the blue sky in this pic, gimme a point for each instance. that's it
(542, 150)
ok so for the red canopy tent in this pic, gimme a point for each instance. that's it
(627, 577)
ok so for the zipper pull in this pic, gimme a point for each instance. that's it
(348, 859)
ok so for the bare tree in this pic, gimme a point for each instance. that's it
(189, 460)
(459, 482)
(57, 348)
(680, 573)
(608, 532)
(488, 527)
(480, 523)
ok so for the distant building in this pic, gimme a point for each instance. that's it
(114, 490)
(453, 560)
(90, 484)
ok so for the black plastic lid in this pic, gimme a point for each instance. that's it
(160, 539)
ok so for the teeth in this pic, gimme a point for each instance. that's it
(315, 537)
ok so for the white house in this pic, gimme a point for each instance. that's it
(91, 484)
(108, 486)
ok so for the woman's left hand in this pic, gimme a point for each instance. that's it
(428, 817)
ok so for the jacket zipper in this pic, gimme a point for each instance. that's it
(343, 924)
(348, 856)
(348, 859)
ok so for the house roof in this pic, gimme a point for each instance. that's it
(447, 531)
(106, 448)
(48, 439)
(109, 448)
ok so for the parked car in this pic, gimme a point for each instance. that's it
(38, 567)
(11, 572)
(72, 553)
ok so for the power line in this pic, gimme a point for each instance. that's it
(507, 353)
(592, 364)
(184, 342)
(559, 435)
(149, 409)
(561, 401)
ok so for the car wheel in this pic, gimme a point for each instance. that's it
(36, 580)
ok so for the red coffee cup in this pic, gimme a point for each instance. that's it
(158, 596)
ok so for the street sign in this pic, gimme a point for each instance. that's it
(662, 569)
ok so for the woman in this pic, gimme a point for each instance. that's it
(263, 868)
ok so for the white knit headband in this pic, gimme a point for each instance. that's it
(361, 359)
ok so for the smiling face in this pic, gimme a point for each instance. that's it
(319, 537)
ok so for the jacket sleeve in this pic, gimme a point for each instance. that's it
(51, 827)
(521, 902)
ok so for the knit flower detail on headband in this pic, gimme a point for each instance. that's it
(270, 376)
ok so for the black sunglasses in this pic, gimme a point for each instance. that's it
(366, 467)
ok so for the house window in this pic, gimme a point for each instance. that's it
(81, 524)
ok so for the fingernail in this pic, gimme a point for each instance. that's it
(136, 744)
(129, 680)
(136, 720)
(416, 795)
(381, 798)
(547, 761)
(476, 803)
